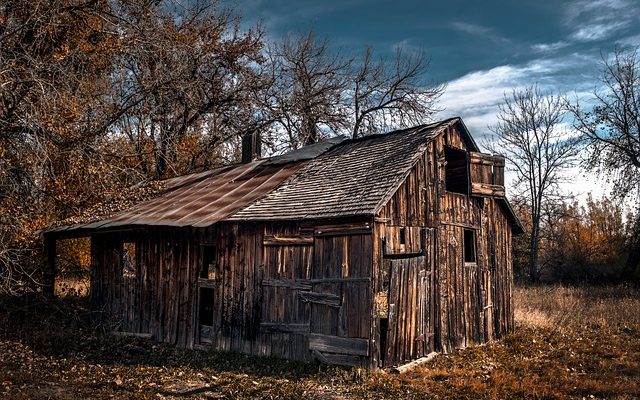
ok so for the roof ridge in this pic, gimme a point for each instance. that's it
(318, 189)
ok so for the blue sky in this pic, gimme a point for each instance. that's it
(480, 49)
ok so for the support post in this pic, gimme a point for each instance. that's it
(49, 275)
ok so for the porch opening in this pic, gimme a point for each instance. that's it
(129, 260)
(72, 267)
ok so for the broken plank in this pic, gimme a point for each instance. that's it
(340, 345)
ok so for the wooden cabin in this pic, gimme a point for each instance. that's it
(371, 252)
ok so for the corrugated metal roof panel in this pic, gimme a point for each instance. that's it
(201, 199)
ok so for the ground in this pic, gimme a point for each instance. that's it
(569, 343)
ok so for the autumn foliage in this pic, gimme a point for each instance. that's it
(579, 242)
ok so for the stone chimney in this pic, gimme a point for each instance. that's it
(251, 146)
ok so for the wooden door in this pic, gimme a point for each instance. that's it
(412, 314)
(340, 296)
(284, 321)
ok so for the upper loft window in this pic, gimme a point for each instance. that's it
(469, 246)
(456, 170)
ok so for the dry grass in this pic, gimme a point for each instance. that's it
(569, 343)
(571, 308)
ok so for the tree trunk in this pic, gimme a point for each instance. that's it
(631, 271)
(533, 255)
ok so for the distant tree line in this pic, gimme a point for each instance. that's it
(543, 134)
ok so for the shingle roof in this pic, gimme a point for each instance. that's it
(349, 179)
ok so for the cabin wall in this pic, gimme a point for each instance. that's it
(290, 290)
(157, 298)
(470, 302)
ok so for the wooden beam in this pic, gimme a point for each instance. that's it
(49, 278)
(288, 240)
(413, 364)
(298, 284)
(327, 299)
(485, 189)
(282, 327)
(340, 345)
(343, 229)
(399, 256)
(131, 334)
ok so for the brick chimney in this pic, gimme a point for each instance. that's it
(251, 146)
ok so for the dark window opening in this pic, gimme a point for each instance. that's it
(456, 170)
(208, 270)
(469, 246)
(403, 236)
(129, 260)
(384, 327)
(206, 306)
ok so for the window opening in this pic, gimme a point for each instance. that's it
(469, 246)
(456, 170)
(129, 260)
(403, 236)
(208, 270)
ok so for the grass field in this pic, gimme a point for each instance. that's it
(569, 343)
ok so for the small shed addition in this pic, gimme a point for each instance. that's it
(370, 252)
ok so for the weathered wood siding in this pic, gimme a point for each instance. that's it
(158, 297)
(472, 302)
(290, 290)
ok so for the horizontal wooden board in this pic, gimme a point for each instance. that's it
(343, 229)
(337, 359)
(339, 345)
(288, 240)
(328, 299)
(298, 284)
(206, 283)
(486, 159)
(485, 189)
(394, 256)
(284, 327)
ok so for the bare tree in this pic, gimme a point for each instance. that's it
(391, 93)
(611, 131)
(529, 135)
(192, 75)
(318, 92)
(309, 88)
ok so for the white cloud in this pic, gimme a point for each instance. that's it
(549, 47)
(590, 33)
(472, 29)
(476, 97)
(593, 20)
(479, 30)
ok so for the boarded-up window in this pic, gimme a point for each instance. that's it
(469, 246)
(456, 170)
(129, 260)
(208, 270)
